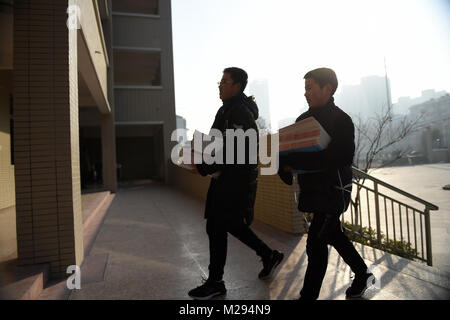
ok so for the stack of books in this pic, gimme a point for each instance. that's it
(197, 151)
(306, 135)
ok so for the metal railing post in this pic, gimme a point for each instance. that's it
(428, 236)
(377, 212)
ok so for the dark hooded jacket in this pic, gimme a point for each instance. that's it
(233, 192)
(326, 188)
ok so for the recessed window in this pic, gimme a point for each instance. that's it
(136, 6)
(134, 68)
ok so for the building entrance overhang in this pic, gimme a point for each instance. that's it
(91, 86)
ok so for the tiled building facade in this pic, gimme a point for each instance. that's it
(63, 115)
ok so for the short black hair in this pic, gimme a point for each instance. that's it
(323, 76)
(238, 75)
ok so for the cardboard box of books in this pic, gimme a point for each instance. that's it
(307, 135)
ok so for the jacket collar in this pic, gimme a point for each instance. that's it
(234, 99)
(327, 106)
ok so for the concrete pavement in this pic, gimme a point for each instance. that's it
(153, 245)
(426, 182)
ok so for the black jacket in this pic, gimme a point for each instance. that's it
(322, 192)
(234, 191)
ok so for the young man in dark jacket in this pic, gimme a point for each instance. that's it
(325, 187)
(231, 195)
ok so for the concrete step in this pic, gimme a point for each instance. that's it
(94, 206)
(31, 282)
(94, 210)
(22, 282)
(91, 203)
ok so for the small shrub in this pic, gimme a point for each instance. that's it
(368, 237)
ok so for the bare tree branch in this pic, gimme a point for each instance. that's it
(374, 137)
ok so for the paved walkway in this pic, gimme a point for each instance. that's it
(152, 245)
(426, 182)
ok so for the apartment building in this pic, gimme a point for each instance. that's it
(86, 99)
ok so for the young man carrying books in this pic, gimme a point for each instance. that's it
(325, 181)
(231, 194)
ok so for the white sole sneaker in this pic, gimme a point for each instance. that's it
(369, 283)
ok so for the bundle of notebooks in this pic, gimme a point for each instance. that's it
(306, 135)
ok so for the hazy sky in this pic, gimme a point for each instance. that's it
(282, 40)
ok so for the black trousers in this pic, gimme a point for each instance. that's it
(317, 251)
(217, 229)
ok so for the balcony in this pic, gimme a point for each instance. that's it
(93, 61)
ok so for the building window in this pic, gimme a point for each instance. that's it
(137, 68)
(136, 6)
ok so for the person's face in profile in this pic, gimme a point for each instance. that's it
(316, 96)
(227, 88)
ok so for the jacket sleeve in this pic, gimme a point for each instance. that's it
(240, 118)
(339, 153)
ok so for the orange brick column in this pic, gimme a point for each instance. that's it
(275, 203)
(48, 200)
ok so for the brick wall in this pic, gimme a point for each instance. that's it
(48, 200)
(275, 205)
(7, 193)
(8, 241)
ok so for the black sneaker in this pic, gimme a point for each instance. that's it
(360, 285)
(208, 290)
(270, 264)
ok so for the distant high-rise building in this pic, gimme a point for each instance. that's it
(432, 135)
(181, 124)
(260, 90)
(404, 103)
(371, 96)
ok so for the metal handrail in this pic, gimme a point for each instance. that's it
(386, 196)
(426, 212)
(360, 173)
(424, 225)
